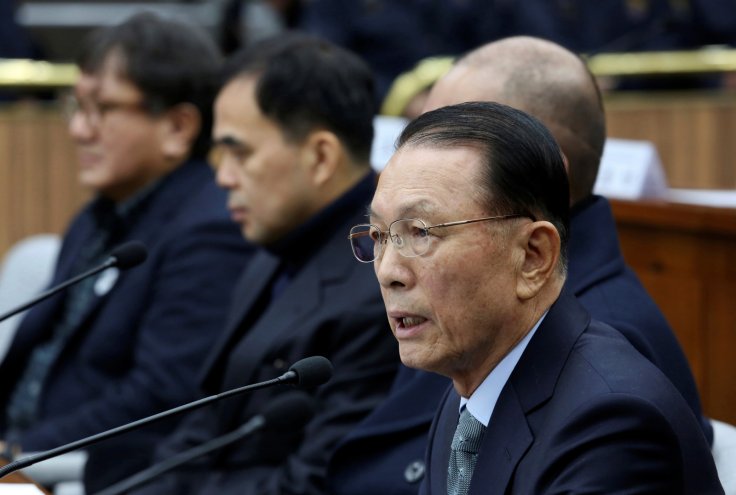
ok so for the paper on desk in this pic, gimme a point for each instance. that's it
(707, 197)
(386, 131)
(19, 489)
(630, 170)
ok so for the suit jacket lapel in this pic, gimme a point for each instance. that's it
(250, 287)
(441, 442)
(531, 384)
(300, 298)
(506, 440)
(282, 317)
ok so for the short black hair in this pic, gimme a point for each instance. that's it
(305, 83)
(524, 172)
(170, 62)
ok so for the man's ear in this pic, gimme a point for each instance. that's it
(182, 124)
(540, 243)
(321, 154)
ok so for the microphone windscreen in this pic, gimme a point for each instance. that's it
(289, 410)
(312, 371)
(130, 254)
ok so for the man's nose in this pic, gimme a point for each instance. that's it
(392, 269)
(80, 127)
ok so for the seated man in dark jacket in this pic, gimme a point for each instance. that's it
(121, 346)
(293, 128)
(554, 85)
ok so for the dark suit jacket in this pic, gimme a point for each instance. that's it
(138, 347)
(582, 412)
(383, 455)
(332, 307)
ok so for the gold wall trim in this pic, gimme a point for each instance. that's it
(20, 73)
(703, 61)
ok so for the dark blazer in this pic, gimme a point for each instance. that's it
(582, 412)
(383, 455)
(139, 345)
(332, 307)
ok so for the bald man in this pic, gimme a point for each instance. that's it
(386, 453)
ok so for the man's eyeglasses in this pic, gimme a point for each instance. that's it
(94, 112)
(410, 236)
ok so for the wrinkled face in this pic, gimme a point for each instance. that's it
(269, 190)
(118, 142)
(449, 308)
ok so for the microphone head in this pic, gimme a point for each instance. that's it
(312, 371)
(291, 410)
(128, 255)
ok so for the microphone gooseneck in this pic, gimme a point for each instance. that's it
(290, 410)
(123, 257)
(314, 371)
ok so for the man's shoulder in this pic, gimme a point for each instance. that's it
(607, 400)
(603, 355)
(587, 360)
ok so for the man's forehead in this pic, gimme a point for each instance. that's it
(422, 181)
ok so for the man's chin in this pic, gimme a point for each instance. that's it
(412, 357)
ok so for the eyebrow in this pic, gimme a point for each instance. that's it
(229, 141)
(421, 209)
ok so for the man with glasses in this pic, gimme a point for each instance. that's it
(121, 346)
(467, 233)
(554, 85)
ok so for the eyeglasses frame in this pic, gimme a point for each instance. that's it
(384, 235)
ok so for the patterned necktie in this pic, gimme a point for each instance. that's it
(464, 453)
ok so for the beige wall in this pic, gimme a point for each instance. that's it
(38, 184)
(695, 134)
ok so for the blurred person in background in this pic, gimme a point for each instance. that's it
(123, 345)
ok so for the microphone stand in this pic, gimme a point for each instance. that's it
(184, 457)
(45, 295)
(287, 378)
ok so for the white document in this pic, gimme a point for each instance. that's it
(719, 198)
(630, 170)
(19, 489)
(386, 130)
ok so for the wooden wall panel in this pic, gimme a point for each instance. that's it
(684, 256)
(38, 182)
(695, 134)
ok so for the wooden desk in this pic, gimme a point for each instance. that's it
(685, 256)
(18, 477)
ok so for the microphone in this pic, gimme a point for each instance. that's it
(125, 256)
(289, 410)
(308, 373)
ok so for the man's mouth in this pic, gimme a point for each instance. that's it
(411, 321)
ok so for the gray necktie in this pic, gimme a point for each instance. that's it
(464, 453)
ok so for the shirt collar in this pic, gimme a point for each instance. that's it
(483, 400)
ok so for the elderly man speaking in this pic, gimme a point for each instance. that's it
(468, 229)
